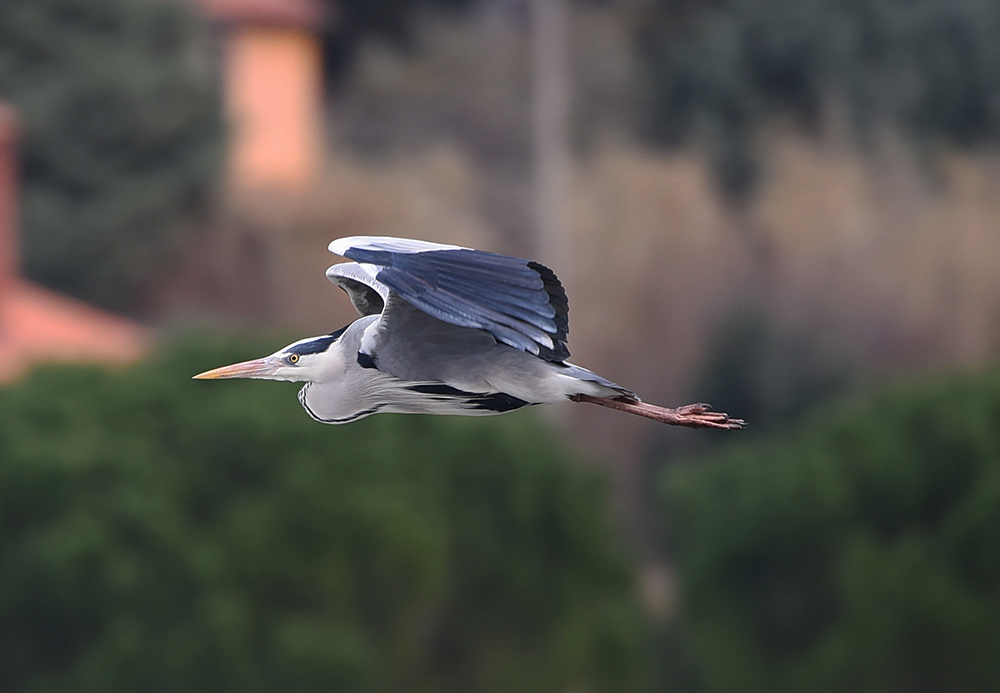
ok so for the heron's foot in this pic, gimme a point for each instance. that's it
(700, 416)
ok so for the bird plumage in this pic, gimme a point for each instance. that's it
(443, 330)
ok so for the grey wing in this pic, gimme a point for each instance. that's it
(410, 344)
(367, 294)
(518, 302)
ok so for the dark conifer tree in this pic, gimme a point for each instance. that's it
(122, 138)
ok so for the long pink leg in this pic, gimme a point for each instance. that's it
(690, 415)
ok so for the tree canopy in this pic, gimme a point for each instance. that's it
(122, 138)
(164, 534)
(861, 553)
(930, 68)
(388, 20)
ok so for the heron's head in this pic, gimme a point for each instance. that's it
(307, 360)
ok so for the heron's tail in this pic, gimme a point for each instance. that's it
(613, 389)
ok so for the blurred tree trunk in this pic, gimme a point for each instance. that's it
(550, 19)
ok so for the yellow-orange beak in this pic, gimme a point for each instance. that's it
(258, 368)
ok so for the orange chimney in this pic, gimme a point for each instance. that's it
(274, 91)
(8, 201)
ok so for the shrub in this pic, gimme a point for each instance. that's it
(161, 533)
(861, 553)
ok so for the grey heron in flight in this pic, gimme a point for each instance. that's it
(446, 330)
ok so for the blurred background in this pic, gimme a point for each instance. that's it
(787, 208)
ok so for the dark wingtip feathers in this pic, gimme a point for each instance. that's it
(559, 301)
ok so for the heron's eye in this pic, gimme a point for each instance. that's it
(293, 358)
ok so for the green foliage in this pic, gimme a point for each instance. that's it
(930, 67)
(388, 20)
(159, 533)
(861, 554)
(768, 374)
(122, 138)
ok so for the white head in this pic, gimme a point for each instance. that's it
(315, 359)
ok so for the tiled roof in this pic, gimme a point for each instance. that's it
(38, 325)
